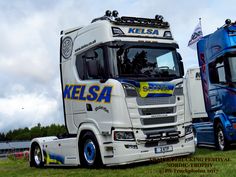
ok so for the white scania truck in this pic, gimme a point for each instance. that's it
(123, 95)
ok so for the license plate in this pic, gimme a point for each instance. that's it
(163, 149)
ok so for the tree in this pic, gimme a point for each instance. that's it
(2, 137)
(36, 131)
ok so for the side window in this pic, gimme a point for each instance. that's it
(90, 64)
(80, 66)
(232, 67)
(217, 72)
(221, 72)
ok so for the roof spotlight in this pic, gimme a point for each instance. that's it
(227, 21)
(156, 17)
(115, 13)
(159, 17)
(108, 13)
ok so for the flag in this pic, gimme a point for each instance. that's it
(196, 36)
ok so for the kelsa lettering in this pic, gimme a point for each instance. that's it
(143, 31)
(95, 93)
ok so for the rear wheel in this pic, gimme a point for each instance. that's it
(221, 142)
(36, 156)
(89, 151)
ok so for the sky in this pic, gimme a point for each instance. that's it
(29, 46)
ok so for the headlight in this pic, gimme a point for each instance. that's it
(188, 129)
(179, 89)
(123, 136)
(179, 85)
(130, 90)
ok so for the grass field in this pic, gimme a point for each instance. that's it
(205, 162)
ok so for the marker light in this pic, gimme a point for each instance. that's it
(167, 34)
(234, 125)
(117, 31)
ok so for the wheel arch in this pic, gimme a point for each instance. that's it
(217, 120)
(90, 127)
(40, 142)
(35, 143)
(220, 118)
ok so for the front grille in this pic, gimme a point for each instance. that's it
(150, 111)
(161, 120)
(151, 131)
(155, 100)
(156, 143)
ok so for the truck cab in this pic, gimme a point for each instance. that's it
(217, 61)
(123, 93)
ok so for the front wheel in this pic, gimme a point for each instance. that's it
(89, 151)
(221, 141)
(36, 158)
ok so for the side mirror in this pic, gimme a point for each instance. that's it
(181, 68)
(181, 65)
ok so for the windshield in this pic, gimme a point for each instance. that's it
(232, 65)
(147, 63)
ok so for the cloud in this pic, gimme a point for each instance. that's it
(27, 110)
(29, 68)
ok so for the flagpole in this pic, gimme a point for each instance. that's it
(200, 21)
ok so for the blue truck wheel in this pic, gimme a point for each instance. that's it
(89, 151)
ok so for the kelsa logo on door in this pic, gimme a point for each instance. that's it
(95, 93)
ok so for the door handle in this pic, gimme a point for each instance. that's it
(89, 107)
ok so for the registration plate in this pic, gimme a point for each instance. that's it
(163, 149)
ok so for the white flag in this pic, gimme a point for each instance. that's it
(196, 36)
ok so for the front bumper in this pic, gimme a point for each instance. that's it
(122, 155)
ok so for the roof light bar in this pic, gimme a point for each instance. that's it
(147, 22)
(157, 22)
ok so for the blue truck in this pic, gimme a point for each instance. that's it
(217, 62)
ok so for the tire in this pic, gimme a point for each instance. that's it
(221, 142)
(36, 156)
(89, 151)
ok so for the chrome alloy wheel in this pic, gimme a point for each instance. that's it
(221, 139)
(37, 156)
